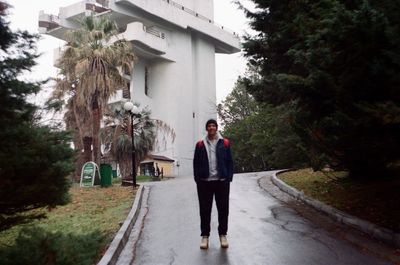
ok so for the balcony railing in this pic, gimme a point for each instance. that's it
(96, 8)
(49, 21)
(153, 31)
(194, 13)
(150, 39)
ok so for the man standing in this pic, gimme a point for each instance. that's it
(213, 171)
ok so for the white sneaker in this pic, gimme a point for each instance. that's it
(204, 242)
(224, 241)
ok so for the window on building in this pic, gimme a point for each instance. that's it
(146, 80)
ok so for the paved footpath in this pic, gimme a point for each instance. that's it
(262, 230)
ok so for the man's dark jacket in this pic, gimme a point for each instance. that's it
(224, 161)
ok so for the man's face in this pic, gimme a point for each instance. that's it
(211, 130)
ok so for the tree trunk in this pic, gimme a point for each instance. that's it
(126, 169)
(80, 161)
(87, 148)
(78, 145)
(96, 133)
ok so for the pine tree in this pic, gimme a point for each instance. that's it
(338, 63)
(34, 159)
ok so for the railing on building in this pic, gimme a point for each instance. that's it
(51, 22)
(55, 19)
(97, 6)
(194, 13)
(153, 31)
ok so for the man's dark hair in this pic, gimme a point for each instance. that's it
(211, 121)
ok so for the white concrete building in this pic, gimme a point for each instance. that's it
(175, 42)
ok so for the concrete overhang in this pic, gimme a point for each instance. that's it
(82, 8)
(163, 10)
(50, 24)
(68, 16)
(224, 40)
(149, 39)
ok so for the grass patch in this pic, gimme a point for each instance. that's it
(142, 178)
(92, 211)
(374, 200)
(117, 180)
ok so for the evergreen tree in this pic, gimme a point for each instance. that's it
(338, 63)
(34, 159)
(260, 134)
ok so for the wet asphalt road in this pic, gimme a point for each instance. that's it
(261, 230)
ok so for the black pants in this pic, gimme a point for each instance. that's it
(206, 191)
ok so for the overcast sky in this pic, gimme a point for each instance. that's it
(24, 15)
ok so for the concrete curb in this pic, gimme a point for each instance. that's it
(120, 239)
(380, 233)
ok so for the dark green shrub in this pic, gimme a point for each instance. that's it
(37, 246)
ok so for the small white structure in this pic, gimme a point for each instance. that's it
(175, 42)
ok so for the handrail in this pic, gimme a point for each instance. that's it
(154, 32)
(54, 18)
(95, 7)
(194, 13)
(49, 21)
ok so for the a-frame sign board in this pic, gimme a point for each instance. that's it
(88, 174)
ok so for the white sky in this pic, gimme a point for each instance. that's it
(24, 15)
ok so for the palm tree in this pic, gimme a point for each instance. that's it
(90, 68)
(116, 136)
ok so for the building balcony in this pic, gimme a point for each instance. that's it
(225, 40)
(57, 26)
(145, 40)
(48, 22)
(83, 8)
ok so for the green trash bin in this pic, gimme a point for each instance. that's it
(114, 173)
(106, 175)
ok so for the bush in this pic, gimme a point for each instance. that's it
(34, 245)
